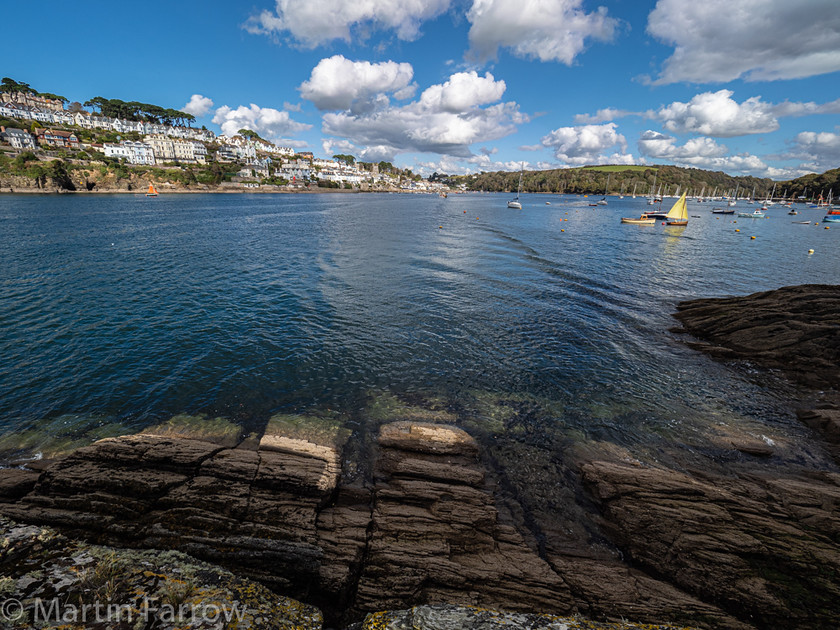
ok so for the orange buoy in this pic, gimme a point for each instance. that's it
(737, 230)
(752, 238)
(562, 230)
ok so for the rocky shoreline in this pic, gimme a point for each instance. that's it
(428, 526)
(794, 330)
(424, 509)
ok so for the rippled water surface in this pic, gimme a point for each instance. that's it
(117, 312)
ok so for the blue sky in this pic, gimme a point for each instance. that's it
(743, 86)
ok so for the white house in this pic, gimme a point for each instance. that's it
(226, 153)
(199, 151)
(8, 110)
(132, 152)
(141, 153)
(42, 115)
(255, 169)
(18, 138)
(62, 118)
(119, 151)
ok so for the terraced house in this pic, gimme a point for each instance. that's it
(57, 138)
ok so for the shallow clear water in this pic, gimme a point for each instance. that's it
(117, 312)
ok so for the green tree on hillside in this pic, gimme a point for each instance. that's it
(54, 97)
(11, 86)
(251, 135)
(136, 111)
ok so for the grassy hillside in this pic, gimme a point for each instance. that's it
(617, 168)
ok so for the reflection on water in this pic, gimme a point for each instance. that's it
(119, 313)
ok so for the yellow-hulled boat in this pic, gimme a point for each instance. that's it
(642, 220)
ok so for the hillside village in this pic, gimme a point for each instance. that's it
(33, 123)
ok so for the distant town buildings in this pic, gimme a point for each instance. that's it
(157, 144)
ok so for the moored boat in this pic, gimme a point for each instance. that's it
(642, 220)
(515, 203)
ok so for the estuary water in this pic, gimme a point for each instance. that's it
(118, 312)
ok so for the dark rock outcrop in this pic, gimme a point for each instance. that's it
(425, 526)
(793, 329)
(764, 548)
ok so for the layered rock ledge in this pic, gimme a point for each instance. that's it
(424, 527)
(429, 525)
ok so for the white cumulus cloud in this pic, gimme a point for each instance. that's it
(758, 40)
(602, 115)
(267, 122)
(446, 119)
(314, 23)
(588, 144)
(707, 154)
(788, 108)
(659, 146)
(548, 30)
(717, 114)
(337, 83)
(198, 105)
(462, 91)
(333, 147)
(820, 148)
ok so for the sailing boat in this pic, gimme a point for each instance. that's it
(734, 199)
(678, 214)
(769, 200)
(152, 192)
(515, 203)
(603, 201)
